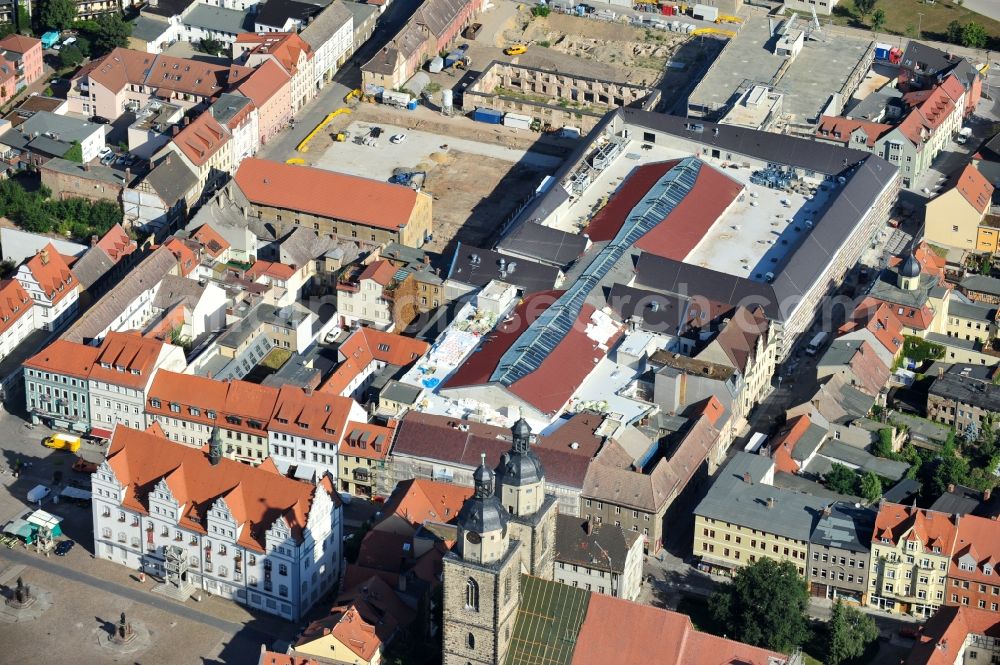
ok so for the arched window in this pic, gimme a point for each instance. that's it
(472, 641)
(472, 595)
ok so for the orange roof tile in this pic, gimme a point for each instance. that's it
(264, 83)
(840, 129)
(117, 244)
(201, 139)
(784, 444)
(367, 440)
(325, 193)
(65, 358)
(381, 272)
(648, 625)
(945, 635)
(359, 635)
(126, 359)
(979, 538)
(271, 269)
(125, 66)
(186, 258)
(418, 501)
(284, 47)
(14, 303)
(256, 498)
(974, 188)
(319, 416)
(52, 273)
(896, 523)
(275, 658)
(366, 345)
(19, 43)
(881, 321)
(213, 243)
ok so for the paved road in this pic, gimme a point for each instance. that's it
(988, 8)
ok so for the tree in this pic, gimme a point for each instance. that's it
(953, 33)
(75, 153)
(878, 19)
(871, 487)
(841, 479)
(211, 46)
(951, 469)
(111, 32)
(974, 35)
(864, 7)
(883, 447)
(57, 14)
(764, 605)
(70, 56)
(848, 634)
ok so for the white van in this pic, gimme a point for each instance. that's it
(816, 343)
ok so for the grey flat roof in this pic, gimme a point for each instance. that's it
(68, 129)
(86, 171)
(148, 29)
(838, 451)
(982, 283)
(403, 393)
(818, 71)
(734, 500)
(846, 528)
(543, 243)
(217, 19)
(528, 275)
(973, 310)
(17, 245)
(967, 390)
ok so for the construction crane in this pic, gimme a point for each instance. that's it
(728, 19)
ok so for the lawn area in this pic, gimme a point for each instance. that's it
(276, 358)
(901, 18)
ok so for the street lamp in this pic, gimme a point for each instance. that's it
(920, 19)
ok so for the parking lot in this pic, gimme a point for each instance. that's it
(89, 594)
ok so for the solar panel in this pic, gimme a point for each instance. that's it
(541, 337)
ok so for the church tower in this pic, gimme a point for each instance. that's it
(481, 579)
(521, 489)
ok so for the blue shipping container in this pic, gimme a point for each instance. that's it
(489, 116)
(453, 57)
(412, 106)
(49, 38)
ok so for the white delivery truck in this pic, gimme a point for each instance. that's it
(816, 343)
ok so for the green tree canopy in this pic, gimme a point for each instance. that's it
(974, 35)
(864, 7)
(57, 14)
(953, 33)
(878, 19)
(871, 487)
(70, 56)
(841, 480)
(764, 605)
(849, 633)
(111, 31)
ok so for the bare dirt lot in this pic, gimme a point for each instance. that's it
(478, 174)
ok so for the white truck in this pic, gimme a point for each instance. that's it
(963, 135)
(397, 99)
(705, 13)
(816, 343)
(38, 493)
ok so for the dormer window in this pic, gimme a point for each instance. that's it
(987, 569)
(175, 407)
(210, 414)
(195, 411)
(155, 403)
(936, 549)
(105, 365)
(136, 372)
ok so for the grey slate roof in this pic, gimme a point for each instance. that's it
(961, 501)
(17, 245)
(543, 243)
(929, 59)
(732, 499)
(606, 547)
(327, 23)
(228, 105)
(275, 13)
(811, 439)
(846, 528)
(86, 171)
(103, 313)
(167, 8)
(975, 310)
(172, 179)
(175, 289)
(981, 283)
(217, 19)
(93, 265)
(402, 393)
(838, 451)
(966, 390)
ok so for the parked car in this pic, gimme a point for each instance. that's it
(63, 547)
(397, 138)
(104, 152)
(376, 132)
(100, 120)
(83, 466)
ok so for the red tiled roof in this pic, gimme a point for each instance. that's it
(275, 658)
(649, 625)
(366, 345)
(367, 440)
(19, 43)
(125, 66)
(840, 129)
(326, 193)
(256, 498)
(271, 269)
(126, 359)
(14, 303)
(186, 257)
(117, 244)
(418, 501)
(213, 243)
(284, 47)
(685, 226)
(201, 139)
(784, 444)
(52, 273)
(318, 416)
(974, 188)
(979, 538)
(944, 636)
(917, 319)
(558, 376)
(264, 83)
(882, 322)
(380, 272)
(896, 522)
(869, 371)
(65, 358)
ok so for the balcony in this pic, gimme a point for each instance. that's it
(363, 475)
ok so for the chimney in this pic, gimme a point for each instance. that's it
(770, 502)
(827, 510)
(951, 488)
(746, 478)
(588, 527)
(308, 391)
(86, 167)
(986, 494)
(93, 241)
(44, 254)
(940, 372)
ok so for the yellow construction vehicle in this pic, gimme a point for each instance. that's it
(296, 161)
(728, 19)
(714, 31)
(352, 95)
(516, 49)
(340, 137)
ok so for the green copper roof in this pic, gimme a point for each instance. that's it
(547, 624)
